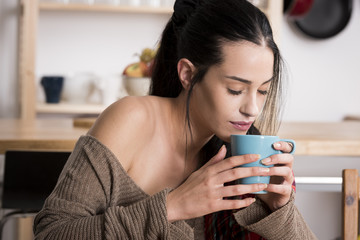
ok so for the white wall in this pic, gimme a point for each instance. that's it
(99, 42)
(325, 80)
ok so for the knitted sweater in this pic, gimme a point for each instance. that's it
(96, 199)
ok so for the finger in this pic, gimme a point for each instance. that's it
(235, 161)
(241, 189)
(241, 172)
(283, 159)
(283, 189)
(285, 147)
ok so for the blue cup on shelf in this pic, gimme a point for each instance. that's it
(256, 144)
(53, 86)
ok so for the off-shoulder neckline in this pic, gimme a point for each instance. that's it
(87, 138)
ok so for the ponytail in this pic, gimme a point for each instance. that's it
(164, 80)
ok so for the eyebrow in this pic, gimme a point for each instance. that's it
(247, 81)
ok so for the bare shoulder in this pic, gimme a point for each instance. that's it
(125, 125)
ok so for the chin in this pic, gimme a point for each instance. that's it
(226, 135)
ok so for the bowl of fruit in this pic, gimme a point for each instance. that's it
(136, 76)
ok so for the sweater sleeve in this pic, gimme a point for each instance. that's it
(95, 199)
(285, 223)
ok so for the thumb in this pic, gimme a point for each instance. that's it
(218, 157)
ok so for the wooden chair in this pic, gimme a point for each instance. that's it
(350, 202)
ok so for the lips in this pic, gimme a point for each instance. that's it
(242, 125)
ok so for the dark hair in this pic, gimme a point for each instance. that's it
(197, 31)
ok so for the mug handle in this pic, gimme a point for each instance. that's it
(290, 141)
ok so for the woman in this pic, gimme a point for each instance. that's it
(157, 167)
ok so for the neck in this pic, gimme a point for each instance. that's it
(187, 143)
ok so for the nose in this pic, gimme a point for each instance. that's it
(250, 107)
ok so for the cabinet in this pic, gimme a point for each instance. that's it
(30, 10)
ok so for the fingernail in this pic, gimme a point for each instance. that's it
(266, 160)
(264, 185)
(222, 148)
(265, 169)
(277, 145)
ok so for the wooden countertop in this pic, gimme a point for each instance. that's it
(327, 139)
(324, 138)
(50, 134)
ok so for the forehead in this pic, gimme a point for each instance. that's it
(247, 60)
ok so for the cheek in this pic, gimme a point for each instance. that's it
(206, 96)
(215, 108)
(225, 105)
(204, 104)
(213, 105)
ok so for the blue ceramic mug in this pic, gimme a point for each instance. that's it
(256, 144)
(52, 86)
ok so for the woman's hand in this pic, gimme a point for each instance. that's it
(203, 191)
(280, 187)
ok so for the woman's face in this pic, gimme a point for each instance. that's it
(231, 95)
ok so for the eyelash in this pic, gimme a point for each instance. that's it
(263, 92)
(234, 92)
(239, 92)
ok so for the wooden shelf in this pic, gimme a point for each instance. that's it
(103, 8)
(69, 108)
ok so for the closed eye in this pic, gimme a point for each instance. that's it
(233, 92)
(263, 92)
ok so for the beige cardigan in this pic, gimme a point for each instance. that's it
(96, 199)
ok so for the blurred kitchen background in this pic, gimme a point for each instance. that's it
(78, 44)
